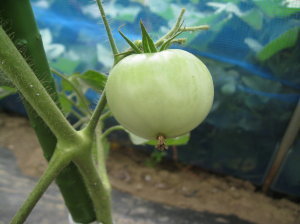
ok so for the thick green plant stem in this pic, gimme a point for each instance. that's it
(101, 165)
(18, 71)
(100, 156)
(97, 190)
(17, 18)
(56, 164)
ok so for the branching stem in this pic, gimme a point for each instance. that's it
(99, 195)
(58, 161)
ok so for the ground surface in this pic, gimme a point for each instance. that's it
(217, 199)
(128, 209)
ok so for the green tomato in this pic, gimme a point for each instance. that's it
(167, 93)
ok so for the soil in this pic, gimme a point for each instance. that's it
(181, 187)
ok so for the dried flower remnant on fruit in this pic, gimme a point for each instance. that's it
(161, 143)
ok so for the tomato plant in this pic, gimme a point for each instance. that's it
(155, 93)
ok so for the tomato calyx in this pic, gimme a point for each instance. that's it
(147, 45)
(161, 143)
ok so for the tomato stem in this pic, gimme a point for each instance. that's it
(18, 71)
(111, 129)
(96, 114)
(108, 30)
(161, 142)
(97, 189)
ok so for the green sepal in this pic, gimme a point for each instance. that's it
(132, 45)
(180, 140)
(124, 54)
(147, 42)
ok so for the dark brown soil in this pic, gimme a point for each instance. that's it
(181, 187)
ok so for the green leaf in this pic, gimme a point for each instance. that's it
(181, 140)
(66, 86)
(285, 40)
(148, 44)
(132, 45)
(253, 18)
(65, 103)
(6, 91)
(65, 65)
(94, 80)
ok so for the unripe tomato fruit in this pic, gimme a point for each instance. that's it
(167, 93)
